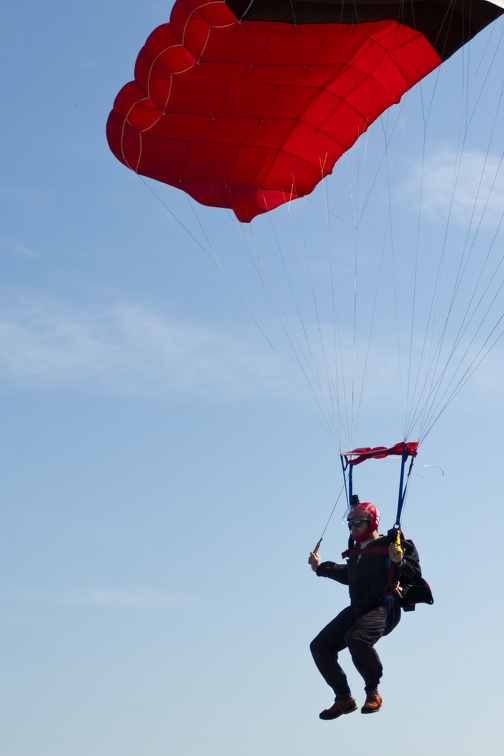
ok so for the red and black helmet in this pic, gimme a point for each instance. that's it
(364, 511)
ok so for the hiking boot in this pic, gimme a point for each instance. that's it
(373, 702)
(339, 707)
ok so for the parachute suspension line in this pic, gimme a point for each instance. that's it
(357, 217)
(408, 374)
(175, 217)
(247, 8)
(337, 352)
(461, 267)
(300, 345)
(324, 402)
(389, 231)
(388, 131)
(436, 400)
(426, 400)
(300, 342)
(415, 392)
(357, 380)
(442, 399)
(288, 328)
(488, 344)
(210, 251)
(333, 359)
(491, 65)
(294, 15)
(360, 201)
(472, 308)
(329, 402)
(351, 389)
(215, 259)
(412, 391)
(337, 374)
(315, 550)
(483, 352)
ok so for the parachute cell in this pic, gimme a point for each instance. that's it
(247, 105)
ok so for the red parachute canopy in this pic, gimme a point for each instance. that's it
(247, 105)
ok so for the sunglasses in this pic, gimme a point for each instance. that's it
(356, 523)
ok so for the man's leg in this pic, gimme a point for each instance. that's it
(360, 639)
(325, 648)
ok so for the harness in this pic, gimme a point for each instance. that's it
(408, 594)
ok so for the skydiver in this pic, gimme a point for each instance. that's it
(370, 615)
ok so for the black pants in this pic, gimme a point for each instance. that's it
(358, 635)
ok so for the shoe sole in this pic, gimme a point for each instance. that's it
(339, 714)
(371, 711)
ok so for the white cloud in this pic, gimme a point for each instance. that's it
(16, 248)
(464, 187)
(132, 598)
(30, 199)
(129, 350)
(135, 598)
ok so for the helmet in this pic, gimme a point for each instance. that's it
(364, 511)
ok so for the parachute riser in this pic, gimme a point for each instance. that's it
(403, 484)
(348, 461)
(347, 479)
(405, 450)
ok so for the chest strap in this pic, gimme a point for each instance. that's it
(367, 550)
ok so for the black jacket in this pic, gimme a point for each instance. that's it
(366, 572)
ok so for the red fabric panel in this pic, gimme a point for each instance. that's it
(356, 456)
(249, 115)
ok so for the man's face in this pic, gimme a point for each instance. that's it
(358, 525)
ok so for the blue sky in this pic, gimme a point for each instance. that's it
(164, 469)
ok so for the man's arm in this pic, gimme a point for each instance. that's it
(338, 572)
